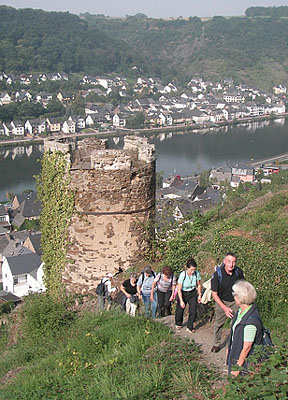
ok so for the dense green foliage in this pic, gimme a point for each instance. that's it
(42, 314)
(103, 356)
(268, 382)
(258, 235)
(57, 208)
(241, 48)
(277, 12)
(253, 50)
(34, 40)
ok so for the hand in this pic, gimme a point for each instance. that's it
(235, 373)
(152, 298)
(228, 312)
(182, 304)
(128, 296)
(199, 298)
(171, 297)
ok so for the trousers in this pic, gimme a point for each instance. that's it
(190, 298)
(220, 319)
(164, 303)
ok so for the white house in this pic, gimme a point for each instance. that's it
(23, 274)
(18, 128)
(69, 125)
(119, 120)
(35, 126)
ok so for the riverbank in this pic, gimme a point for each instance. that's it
(198, 128)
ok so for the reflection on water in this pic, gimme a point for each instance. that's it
(177, 152)
(18, 165)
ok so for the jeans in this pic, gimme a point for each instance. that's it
(164, 303)
(191, 299)
(150, 306)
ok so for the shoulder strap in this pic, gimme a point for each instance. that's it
(237, 272)
(219, 273)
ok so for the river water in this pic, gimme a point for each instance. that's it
(177, 152)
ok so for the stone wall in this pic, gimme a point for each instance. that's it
(115, 196)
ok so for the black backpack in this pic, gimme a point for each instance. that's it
(101, 288)
(266, 340)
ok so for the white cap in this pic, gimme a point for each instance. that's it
(109, 275)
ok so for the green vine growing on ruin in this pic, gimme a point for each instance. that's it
(57, 197)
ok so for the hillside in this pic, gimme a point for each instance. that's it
(64, 349)
(250, 50)
(247, 49)
(35, 40)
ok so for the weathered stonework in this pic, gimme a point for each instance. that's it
(115, 197)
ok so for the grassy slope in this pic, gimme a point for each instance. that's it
(112, 356)
(104, 356)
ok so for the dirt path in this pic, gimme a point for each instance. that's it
(203, 337)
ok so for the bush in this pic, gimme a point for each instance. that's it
(7, 307)
(44, 316)
(267, 381)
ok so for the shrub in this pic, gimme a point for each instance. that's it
(267, 381)
(7, 307)
(44, 316)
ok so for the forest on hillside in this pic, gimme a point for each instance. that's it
(247, 49)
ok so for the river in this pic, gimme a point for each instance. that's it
(177, 152)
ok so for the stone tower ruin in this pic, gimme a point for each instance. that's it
(114, 203)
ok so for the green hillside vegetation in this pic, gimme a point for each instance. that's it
(250, 50)
(35, 40)
(242, 48)
(278, 12)
(56, 349)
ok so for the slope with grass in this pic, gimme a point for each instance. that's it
(103, 356)
(53, 349)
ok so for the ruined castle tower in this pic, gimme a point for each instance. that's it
(115, 201)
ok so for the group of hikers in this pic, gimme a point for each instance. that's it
(234, 299)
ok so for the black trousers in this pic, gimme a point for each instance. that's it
(191, 299)
(164, 303)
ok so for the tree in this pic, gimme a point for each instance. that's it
(136, 122)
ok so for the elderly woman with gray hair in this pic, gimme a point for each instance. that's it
(246, 328)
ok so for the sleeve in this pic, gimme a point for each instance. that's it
(214, 283)
(157, 277)
(198, 276)
(140, 279)
(174, 280)
(249, 333)
(181, 277)
(108, 285)
(124, 284)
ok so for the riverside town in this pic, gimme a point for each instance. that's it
(103, 103)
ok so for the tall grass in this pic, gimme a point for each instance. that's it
(107, 355)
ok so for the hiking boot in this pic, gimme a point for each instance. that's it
(215, 349)
(178, 327)
(190, 331)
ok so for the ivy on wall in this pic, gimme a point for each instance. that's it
(53, 188)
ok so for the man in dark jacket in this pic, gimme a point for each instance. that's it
(221, 285)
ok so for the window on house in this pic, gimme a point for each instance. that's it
(15, 281)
